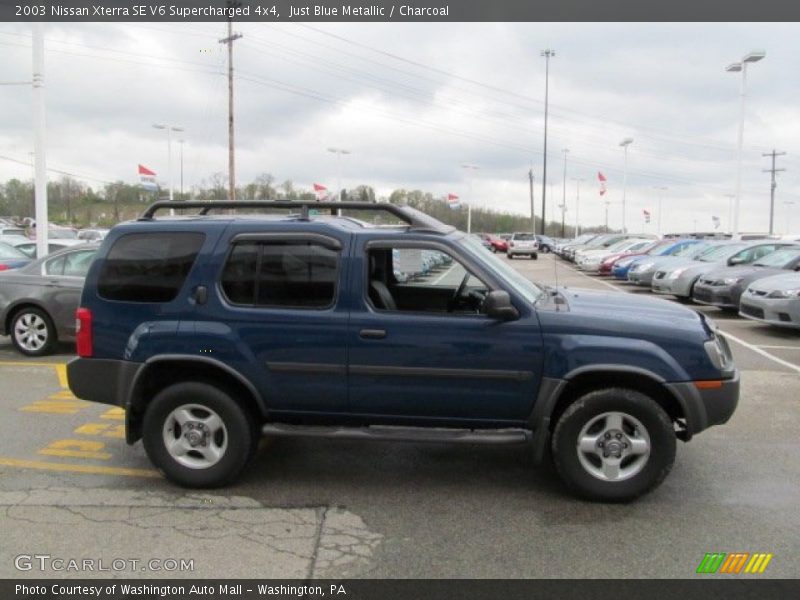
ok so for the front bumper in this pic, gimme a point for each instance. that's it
(644, 278)
(782, 312)
(714, 295)
(705, 407)
(680, 286)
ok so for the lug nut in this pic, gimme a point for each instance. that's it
(619, 436)
(608, 435)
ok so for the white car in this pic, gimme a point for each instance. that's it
(523, 244)
(590, 260)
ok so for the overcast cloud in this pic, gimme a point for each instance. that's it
(471, 93)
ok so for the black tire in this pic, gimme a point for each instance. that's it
(45, 335)
(534, 256)
(546, 249)
(242, 434)
(631, 403)
(510, 256)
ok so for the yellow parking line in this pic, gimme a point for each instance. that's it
(61, 371)
(72, 468)
(19, 363)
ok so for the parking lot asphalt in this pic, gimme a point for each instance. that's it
(71, 488)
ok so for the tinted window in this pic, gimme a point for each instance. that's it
(148, 267)
(525, 237)
(288, 274)
(7, 251)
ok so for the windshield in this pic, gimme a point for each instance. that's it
(7, 251)
(722, 252)
(62, 234)
(778, 258)
(526, 288)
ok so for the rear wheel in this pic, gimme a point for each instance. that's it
(509, 256)
(613, 445)
(33, 332)
(534, 256)
(198, 435)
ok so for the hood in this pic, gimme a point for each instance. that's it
(737, 271)
(648, 311)
(789, 281)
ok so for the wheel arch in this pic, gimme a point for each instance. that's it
(160, 371)
(556, 395)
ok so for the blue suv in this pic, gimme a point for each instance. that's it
(211, 330)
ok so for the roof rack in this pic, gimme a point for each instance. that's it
(416, 220)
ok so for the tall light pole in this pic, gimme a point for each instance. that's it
(788, 204)
(661, 189)
(169, 129)
(741, 67)
(533, 215)
(547, 54)
(339, 152)
(181, 143)
(471, 173)
(578, 181)
(564, 191)
(39, 143)
(625, 143)
(730, 198)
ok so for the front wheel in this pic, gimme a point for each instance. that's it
(198, 435)
(510, 256)
(613, 445)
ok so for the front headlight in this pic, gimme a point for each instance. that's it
(784, 293)
(676, 273)
(731, 280)
(718, 350)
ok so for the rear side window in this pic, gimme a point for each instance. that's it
(287, 274)
(148, 267)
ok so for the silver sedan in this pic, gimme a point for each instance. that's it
(38, 301)
(774, 300)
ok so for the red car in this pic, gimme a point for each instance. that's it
(608, 262)
(498, 243)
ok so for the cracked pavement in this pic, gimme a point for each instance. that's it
(229, 537)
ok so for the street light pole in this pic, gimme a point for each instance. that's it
(339, 152)
(169, 129)
(39, 143)
(471, 169)
(661, 189)
(625, 143)
(578, 181)
(533, 217)
(181, 143)
(737, 67)
(564, 191)
(547, 54)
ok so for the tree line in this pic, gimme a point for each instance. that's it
(74, 202)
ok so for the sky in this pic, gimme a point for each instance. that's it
(414, 102)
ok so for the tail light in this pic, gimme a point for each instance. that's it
(83, 333)
(3, 267)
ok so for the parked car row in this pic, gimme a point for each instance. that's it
(757, 278)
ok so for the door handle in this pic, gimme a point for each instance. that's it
(372, 334)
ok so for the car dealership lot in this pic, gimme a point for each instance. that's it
(313, 507)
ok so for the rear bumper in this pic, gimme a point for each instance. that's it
(101, 380)
(522, 251)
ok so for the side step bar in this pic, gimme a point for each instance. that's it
(402, 434)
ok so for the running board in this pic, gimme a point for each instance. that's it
(402, 434)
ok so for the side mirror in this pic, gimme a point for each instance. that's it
(497, 305)
(735, 260)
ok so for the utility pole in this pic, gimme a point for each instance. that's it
(181, 143)
(547, 55)
(533, 217)
(232, 37)
(773, 185)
